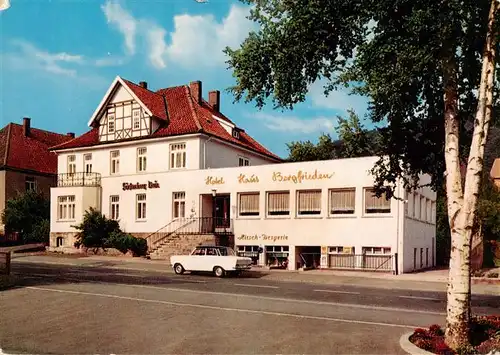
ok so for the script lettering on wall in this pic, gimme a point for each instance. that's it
(245, 179)
(213, 180)
(263, 237)
(137, 186)
(300, 176)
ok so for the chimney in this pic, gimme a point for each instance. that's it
(214, 99)
(195, 88)
(70, 134)
(26, 126)
(143, 84)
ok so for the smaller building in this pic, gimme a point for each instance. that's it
(26, 162)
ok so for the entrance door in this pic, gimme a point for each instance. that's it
(222, 209)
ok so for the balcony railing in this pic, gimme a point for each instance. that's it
(78, 179)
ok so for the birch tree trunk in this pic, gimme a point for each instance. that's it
(462, 205)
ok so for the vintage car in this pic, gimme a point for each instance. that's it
(216, 259)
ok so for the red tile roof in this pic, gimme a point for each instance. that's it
(29, 153)
(180, 114)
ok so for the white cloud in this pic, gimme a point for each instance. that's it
(296, 125)
(195, 40)
(339, 100)
(117, 16)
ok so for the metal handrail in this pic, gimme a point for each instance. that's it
(78, 179)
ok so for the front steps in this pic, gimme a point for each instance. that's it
(180, 245)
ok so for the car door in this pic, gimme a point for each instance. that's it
(195, 260)
(210, 259)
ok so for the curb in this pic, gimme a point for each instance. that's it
(411, 348)
(485, 281)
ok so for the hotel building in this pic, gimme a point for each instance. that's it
(171, 168)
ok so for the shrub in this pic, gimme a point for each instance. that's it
(95, 230)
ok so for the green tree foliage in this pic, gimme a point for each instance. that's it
(28, 214)
(394, 53)
(98, 232)
(354, 140)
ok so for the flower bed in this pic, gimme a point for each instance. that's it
(484, 337)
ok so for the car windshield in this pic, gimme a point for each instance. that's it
(226, 251)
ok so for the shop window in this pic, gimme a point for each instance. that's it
(341, 250)
(30, 183)
(177, 156)
(140, 207)
(342, 201)
(114, 203)
(179, 207)
(115, 162)
(375, 204)
(66, 208)
(141, 159)
(309, 202)
(249, 251)
(278, 203)
(277, 256)
(249, 204)
(376, 250)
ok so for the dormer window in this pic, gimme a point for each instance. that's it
(111, 122)
(236, 133)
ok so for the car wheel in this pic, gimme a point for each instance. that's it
(179, 270)
(219, 272)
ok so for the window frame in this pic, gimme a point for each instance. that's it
(87, 163)
(341, 213)
(243, 161)
(140, 207)
(111, 118)
(141, 160)
(252, 213)
(66, 208)
(71, 164)
(178, 200)
(175, 150)
(114, 207)
(278, 215)
(377, 212)
(313, 212)
(30, 183)
(116, 159)
(138, 117)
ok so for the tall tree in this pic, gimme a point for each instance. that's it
(428, 69)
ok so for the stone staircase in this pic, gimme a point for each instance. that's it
(176, 244)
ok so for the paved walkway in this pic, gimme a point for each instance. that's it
(434, 280)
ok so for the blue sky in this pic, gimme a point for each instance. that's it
(58, 58)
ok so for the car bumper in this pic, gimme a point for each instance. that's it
(242, 267)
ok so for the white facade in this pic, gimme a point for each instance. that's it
(308, 223)
(312, 214)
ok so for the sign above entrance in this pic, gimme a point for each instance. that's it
(213, 180)
(263, 237)
(301, 176)
(245, 179)
(150, 185)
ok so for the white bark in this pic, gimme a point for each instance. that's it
(462, 206)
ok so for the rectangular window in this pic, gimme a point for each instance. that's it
(433, 212)
(30, 183)
(66, 208)
(141, 159)
(179, 199)
(341, 250)
(376, 250)
(177, 156)
(278, 203)
(114, 207)
(309, 202)
(249, 204)
(342, 201)
(87, 161)
(375, 204)
(111, 123)
(429, 211)
(115, 162)
(71, 164)
(409, 204)
(136, 118)
(242, 161)
(140, 213)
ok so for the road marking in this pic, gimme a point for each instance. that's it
(249, 285)
(96, 281)
(334, 291)
(282, 314)
(337, 304)
(421, 298)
